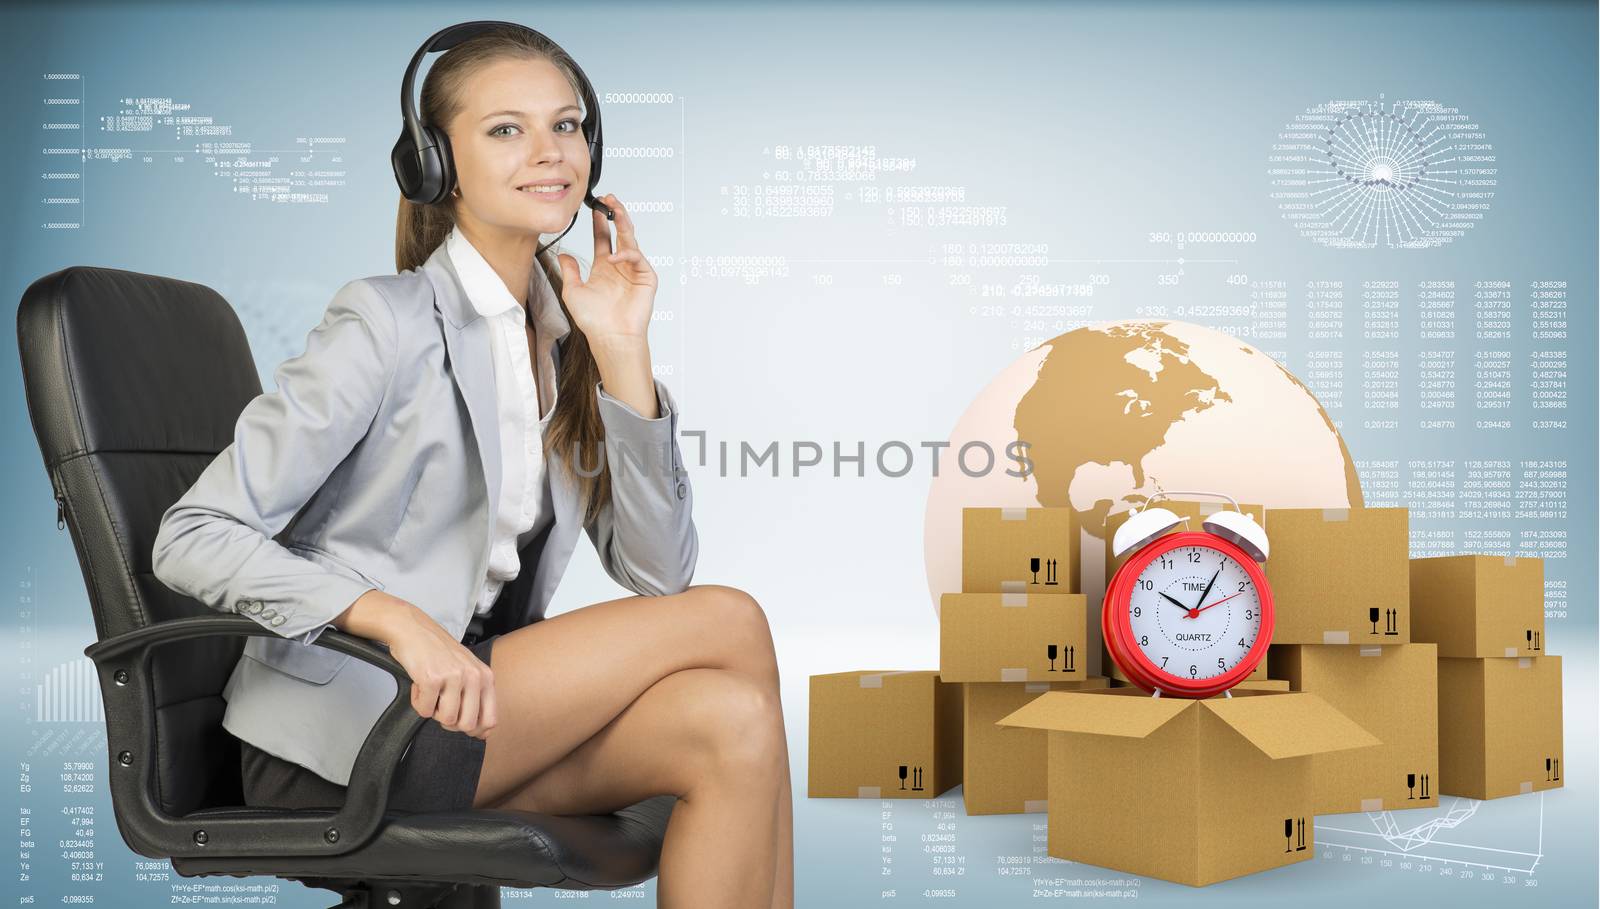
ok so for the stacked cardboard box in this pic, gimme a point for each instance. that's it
(1499, 692)
(1388, 691)
(1339, 575)
(884, 735)
(1019, 627)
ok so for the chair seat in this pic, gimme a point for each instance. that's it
(477, 846)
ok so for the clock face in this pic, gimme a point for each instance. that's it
(1195, 612)
(1190, 614)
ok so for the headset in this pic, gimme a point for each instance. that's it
(421, 156)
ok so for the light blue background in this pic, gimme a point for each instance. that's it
(1093, 124)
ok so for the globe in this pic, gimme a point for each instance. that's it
(1113, 413)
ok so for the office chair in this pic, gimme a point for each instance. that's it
(134, 385)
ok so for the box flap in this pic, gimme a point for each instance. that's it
(1290, 724)
(1099, 712)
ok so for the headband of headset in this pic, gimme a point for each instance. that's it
(421, 156)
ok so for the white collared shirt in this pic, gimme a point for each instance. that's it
(524, 505)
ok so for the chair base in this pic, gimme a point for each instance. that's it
(380, 894)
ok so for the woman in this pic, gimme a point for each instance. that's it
(429, 459)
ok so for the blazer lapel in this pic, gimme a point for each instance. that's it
(466, 338)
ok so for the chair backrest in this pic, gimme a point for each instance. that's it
(134, 385)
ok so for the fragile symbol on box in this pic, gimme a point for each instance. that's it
(1534, 639)
(1547, 770)
(1391, 620)
(1049, 571)
(916, 777)
(1411, 785)
(1068, 652)
(1294, 834)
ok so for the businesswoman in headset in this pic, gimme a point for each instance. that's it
(419, 477)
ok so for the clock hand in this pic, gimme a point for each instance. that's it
(1207, 592)
(1195, 612)
(1175, 602)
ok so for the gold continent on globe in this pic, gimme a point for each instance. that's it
(1113, 413)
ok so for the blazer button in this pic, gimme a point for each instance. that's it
(681, 490)
(278, 620)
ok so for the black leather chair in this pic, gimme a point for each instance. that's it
(134, 384)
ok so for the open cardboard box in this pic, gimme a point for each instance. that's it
(1191, 791)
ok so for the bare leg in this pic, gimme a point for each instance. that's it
(565, 689)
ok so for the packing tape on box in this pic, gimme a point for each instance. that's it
(1033, 806)
(1372, 804)
(868, 792)
(1013, 599)
(1524, 662)
(1335, 514)
(1013, 514)
(1526, 787)
(1036, 686)
(1013, 675)
(1370, 649)
(875, 679)
(1511, 561)
(1336, 637)
(1013, 586)
(1511, 651)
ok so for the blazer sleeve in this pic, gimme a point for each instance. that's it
(215, 544)
(645, 535)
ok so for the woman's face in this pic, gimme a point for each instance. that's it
(520, 124)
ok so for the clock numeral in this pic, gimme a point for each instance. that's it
(1220, 664)
(1136, 612)
(1241, 586)
(1241, 642)
(1163, 662)
(1144, 640)
(1248, 615)
(1147, 584)
(1166, 562)
(1193, 669)
(1194, 556)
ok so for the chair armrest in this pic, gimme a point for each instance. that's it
(123, 663)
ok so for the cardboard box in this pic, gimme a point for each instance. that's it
(881, 734)
(1340, 575)
(1013, 637)
(1192, 791)
(1479, 605)
(1003, 767)
(1500, 726)
(1019, 550)
(1391, 692)
(1195, 511)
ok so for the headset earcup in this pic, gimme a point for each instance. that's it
(446, 162)
(403, 157)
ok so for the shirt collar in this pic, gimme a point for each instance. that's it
(489, 296)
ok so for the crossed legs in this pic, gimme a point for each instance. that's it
(606, 705)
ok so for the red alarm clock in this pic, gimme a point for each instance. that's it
(1190, 613)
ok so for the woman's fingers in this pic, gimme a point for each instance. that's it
(602, 234)
(626, 238)
(570, 276)
(488, 715)
(468, 720)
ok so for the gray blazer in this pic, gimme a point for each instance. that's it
(373, 465)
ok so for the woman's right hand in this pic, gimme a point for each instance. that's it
(448, 681)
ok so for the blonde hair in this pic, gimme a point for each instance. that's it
(419, 229)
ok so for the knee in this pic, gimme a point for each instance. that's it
(734, 616)
(739, 726)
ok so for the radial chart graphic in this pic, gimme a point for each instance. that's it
(1400, 174)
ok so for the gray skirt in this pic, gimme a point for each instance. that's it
(439, 771)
